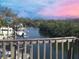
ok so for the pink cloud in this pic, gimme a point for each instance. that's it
(65, 9)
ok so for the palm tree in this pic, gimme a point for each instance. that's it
(7, 14)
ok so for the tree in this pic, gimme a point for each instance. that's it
(7, 14)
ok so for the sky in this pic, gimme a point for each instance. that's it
(43, 8)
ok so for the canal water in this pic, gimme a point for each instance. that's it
(33, 32)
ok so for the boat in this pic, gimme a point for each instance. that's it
(21, 30)
(6, 32)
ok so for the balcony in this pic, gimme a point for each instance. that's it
(40, 48)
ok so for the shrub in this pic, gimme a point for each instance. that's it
(59, 29)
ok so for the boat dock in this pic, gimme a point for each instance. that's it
(19, 48)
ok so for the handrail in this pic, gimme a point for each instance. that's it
(36, 39)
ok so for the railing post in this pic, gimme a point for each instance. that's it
(31, 51)
(68, 45)
(62, 49)
(71, 50)
(78, 48)
(12, 51)
(44, 50)
(18, 54)
(50, 49)
(25, 50)
(4, 50)
(15, 51)
(56, 49)
(38, 50)
(22, 50)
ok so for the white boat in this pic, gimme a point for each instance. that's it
(6, 32)
(21, 31)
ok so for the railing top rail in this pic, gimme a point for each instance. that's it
(38, 39)
(77, 38)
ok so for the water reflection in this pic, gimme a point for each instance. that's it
(33, 32)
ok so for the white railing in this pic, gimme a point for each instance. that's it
(52, 48)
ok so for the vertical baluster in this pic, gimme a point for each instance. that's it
(31, 51)
(4, 50)
(25, 49)
(44, 50)
(72, 49)
(50, 49)
(38, 50)
(12, 51)
(68, 45)
(69, 50)
(77, 48)
(62, 49)
(56, 49)
(22, 54)
(18, 52)
(15, 50)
